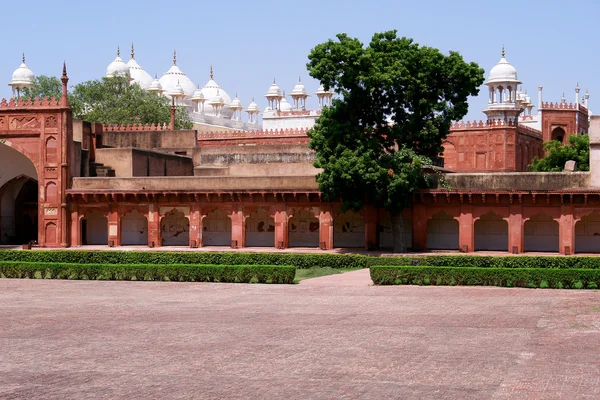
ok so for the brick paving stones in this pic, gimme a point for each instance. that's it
(333, 338)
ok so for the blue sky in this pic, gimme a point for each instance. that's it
(551, 43)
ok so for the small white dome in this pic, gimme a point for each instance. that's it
(274, 90)
(217, 100)
(299, 89)
(155, 86)
(252, 107)
(117, 67)
(285, 105)
(236, 104)
(23, 76)
(321, 90)
(198, 95)
(503, 72)
(177, 91)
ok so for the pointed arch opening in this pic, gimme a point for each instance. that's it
(349, 230)
(541, 234)
(491, 233)
(303, 229)
(175, 229)
(260, 229)
(587, 234)
(134, 229)
(442, 232)
(216, 228)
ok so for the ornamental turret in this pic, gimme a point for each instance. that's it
(503, 103)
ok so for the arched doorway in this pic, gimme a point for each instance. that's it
(175, 229)
(18, 198)
(260, 229)
(216, 229)
(491, 233)
(541, 234)
(558, 134)
(349, 230)
(134, 229)
(94, 228)
(587, 234)
(303, 229)
(442, 232)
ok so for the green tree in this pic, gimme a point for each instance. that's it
(396, 101)
(44, 86)
(113, 101)
(578, 150)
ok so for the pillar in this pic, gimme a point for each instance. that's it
(466, 230)
(566, 234)
(370, 228)
(325, 228)
(195, 225)
(238, 233)
(154, 238)
(114, 234)
(75, 226)
(419, 228)
(281, 227)
(515, 229)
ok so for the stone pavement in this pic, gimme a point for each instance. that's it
(327, 339)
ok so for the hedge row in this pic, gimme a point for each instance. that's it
(150, 272)
(295, 259)
(573, 278)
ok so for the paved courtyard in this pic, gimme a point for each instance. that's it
(334, 337)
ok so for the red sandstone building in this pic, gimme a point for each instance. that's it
(71, 183)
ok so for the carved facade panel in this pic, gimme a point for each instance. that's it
(24, 123)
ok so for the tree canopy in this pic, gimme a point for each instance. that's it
(113, 101)
(557, 154)
(395, 104)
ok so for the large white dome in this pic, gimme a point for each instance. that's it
(503, 72)
(175, 76)
(117, 67)
(138, 74)
(23, 76)
(212, 90)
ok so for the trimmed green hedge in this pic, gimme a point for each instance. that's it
(573, 278)
(295, 259)
(150, 272)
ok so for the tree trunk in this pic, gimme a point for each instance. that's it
(398, 233)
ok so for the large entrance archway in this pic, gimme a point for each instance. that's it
(18, 198)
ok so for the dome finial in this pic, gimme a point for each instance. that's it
(174, 57)
(23, 58)
(211, 72)
(503, 52)
(132, 51)
(118, 51)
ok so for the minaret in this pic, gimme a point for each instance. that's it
(577, 89)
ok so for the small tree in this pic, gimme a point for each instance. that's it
(396, 103)
(44, 86)
(557, 154)
(113, 101)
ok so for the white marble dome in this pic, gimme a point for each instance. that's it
(236, 104)
(253, 107)
(138, 74)
(299, 89)
(23, 76)
(117, 67)
(503, 72)
(274, 90)
(155, 86)
(285, 105)
(211, 91)
(175, 76)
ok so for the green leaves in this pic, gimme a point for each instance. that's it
(396, 101)
(578, 150)
(112, 101)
